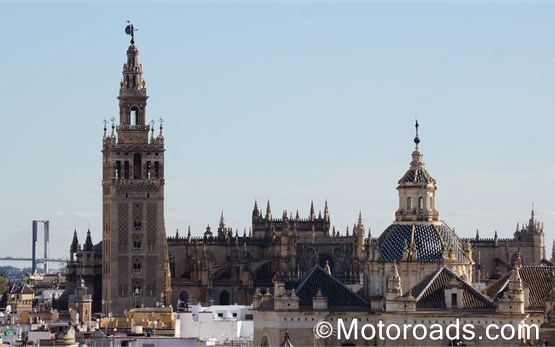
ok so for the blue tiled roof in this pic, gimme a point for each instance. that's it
(429, 240)
(417, 175)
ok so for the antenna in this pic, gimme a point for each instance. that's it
(130, 30)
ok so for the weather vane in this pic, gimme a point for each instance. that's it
(416, 139)
(130, 30)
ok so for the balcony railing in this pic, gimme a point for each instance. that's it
(134, 127)
(137, 249)
(137, 271)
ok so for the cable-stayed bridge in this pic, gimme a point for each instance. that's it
(13, 248)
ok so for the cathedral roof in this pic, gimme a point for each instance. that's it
(338, 294)
(430, 293)
(421, 242)
(540, 281)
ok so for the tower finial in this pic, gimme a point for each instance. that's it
(113, 126)
(105, 122)
(416, 139)
(161, 120)
(130, 30)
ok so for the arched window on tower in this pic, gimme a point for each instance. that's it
(156, 169)
(409, 203)
(147, 171)
(118, 170)
(126, 170)
(133, 117)
(137, 171)
(420, 203)
(137, 268)
(431, 203)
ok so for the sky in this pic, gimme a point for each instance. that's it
(288, 101)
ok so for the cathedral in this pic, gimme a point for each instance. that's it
(136, 264)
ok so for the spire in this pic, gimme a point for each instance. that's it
(88, 241)
(326, 212)
(222, 222)
(255, 209)
(75, 243)
(177, 233)
(312, 216)
(268, 211)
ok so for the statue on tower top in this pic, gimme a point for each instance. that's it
(130, 30)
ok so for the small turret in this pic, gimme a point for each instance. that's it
(75, 243)
(88, 242)
(268, 212)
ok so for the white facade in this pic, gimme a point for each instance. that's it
(222, 322)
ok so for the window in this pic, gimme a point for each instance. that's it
(137, 166)
(156, 169)
(453, 299)
(409, 203)
(147, 170)
(126, 170)
(137, 247)
(118, 169)
(133, 117)
(420, 203)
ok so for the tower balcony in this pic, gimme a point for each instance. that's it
(127, 127)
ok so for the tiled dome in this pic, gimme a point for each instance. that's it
(429, 241)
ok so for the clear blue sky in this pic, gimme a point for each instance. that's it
(287, 101)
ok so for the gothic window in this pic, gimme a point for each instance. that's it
(421, 203)
(156, 169)
(172, 265)
(134, 81)
(147, 172)
(118, 169)
(137, 166)
(409, 203)
(126, 170)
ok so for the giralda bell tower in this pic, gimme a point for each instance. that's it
(135, 269)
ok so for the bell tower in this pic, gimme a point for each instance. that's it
(135, 264)
(417, 191)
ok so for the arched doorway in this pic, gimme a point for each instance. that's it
(224, 298)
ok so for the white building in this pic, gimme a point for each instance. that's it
(220, 323)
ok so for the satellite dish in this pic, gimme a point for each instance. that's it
(129, 29)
